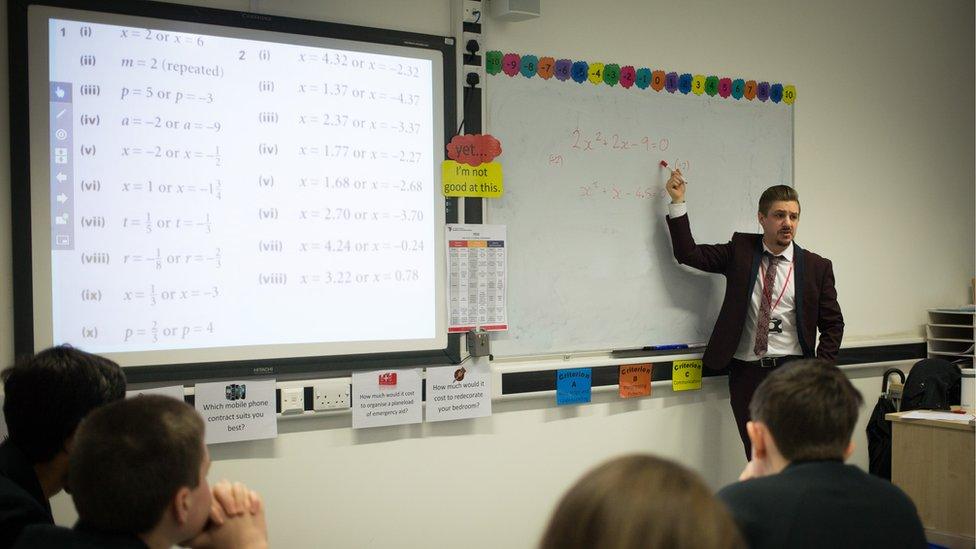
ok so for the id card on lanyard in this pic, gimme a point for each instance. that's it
(786, 284)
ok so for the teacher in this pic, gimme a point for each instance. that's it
(777, 295)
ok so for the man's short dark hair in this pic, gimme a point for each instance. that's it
(777, 193)
(810, 408)
(129, 460)
(48, 394)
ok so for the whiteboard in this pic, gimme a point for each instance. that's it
(590, 260)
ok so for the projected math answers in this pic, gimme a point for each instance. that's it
(211, 191)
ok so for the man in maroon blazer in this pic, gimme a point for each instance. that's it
(777, 295)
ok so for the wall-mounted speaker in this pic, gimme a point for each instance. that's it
(515, 10)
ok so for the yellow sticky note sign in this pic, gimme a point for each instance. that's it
(635, 380)
(484, 181)
(789, 94)
(686, 375)
(698, 84)
(596, 73)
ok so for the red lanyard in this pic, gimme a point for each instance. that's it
(762, 274)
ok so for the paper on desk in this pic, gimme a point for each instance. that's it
(942, 416)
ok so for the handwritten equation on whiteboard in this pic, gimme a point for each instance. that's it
(210, 191)
(581, 144)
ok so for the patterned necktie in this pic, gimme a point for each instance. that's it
(765, 307)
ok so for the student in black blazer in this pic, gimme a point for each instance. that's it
(139, 481)
(770, 315)
(797, 492)
(45, 397)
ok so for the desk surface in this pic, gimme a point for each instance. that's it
(943, 424)
(932, 461)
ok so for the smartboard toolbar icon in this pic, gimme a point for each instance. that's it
(60, 155)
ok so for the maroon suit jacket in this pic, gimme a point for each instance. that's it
(738, 260)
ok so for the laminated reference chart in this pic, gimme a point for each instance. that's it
(477, 277)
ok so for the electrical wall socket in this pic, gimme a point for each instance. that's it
(293, 400)
(479, 70)
(331, 395)
(472, 11)
(465, 38)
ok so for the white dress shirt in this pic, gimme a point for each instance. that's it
(783, 338)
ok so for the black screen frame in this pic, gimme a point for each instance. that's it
(324, 366)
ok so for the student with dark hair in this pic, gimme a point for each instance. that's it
(139, 479)
(45, 397)
(777, 295)
(640, 502)
(796, 492)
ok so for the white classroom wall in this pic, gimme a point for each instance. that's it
(885, 169)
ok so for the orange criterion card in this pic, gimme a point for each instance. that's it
(635, 380)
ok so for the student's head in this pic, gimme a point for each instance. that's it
(48, 394)
(808, 409)
(640, 501)
(139, 466)
(779, 214)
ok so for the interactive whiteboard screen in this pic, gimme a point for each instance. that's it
(202, 193)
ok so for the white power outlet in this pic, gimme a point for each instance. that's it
(472, 11)
(331, 395)
(293, 400)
